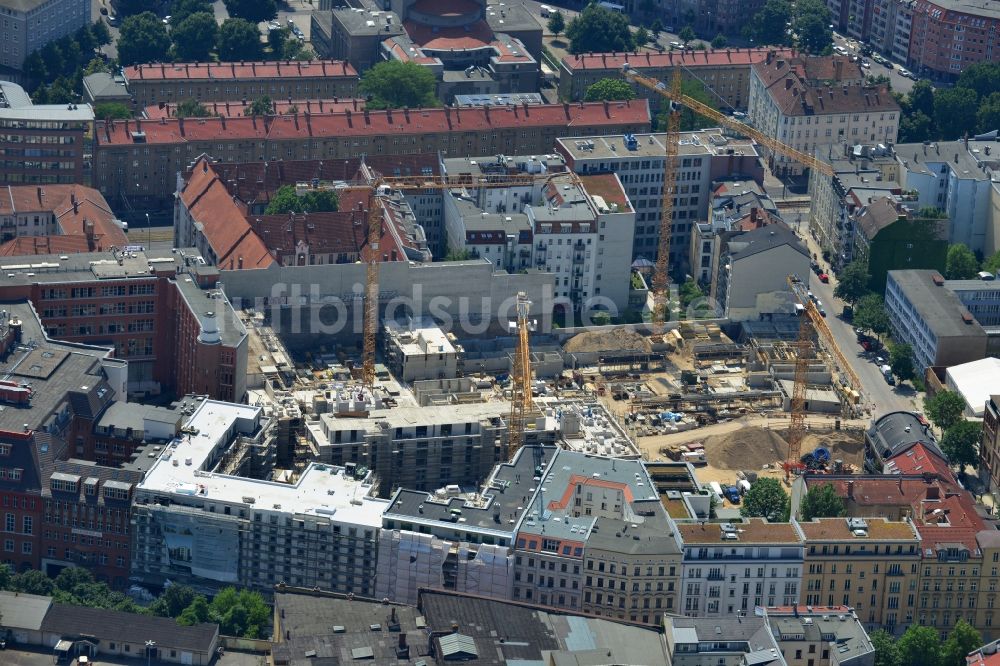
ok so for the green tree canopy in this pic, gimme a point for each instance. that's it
(944, 408)
(240, 613)
(690, 119)
(173, 601)
(239, 40)
(34, 67)
(766, 499)
(870, 315)
(988, 113)
(982, 77)
(131, 7)
(656, 27)
(143, 38)
(901, 361)
(812, 24)
(196, 613)
(955, 112)
(915, 127)
(886, 649)
(190, 108)
(961, 263)
(921, 97)
(686, 34)
(33, 581)
(393, 84)
(254, 11)
(101, 33)
(557, 23)
(84, 37)
(962, 640)
(822, 502)
(262, 106)
(920, 646)
(195, 36)
(286, 200)
(961, 442)
(852, 283)
(719, 41)
(607, 90)
(768, 26)
(115, 110)
(181, 9)
(992, 263)
(641, 36)
(597, 30)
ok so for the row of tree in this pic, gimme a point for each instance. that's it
(55, 72)
(238, 612)
(255, 11)
(960, 436)
(962, 263)
(921, 646)
(971, 106)
(805, 24)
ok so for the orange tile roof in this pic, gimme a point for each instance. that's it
(473, 36)
(236, 109)
(688, 59)
(801, 85)
(223, 222)
(368, 123)
(73, 206)
(35, 245)
(916, 460)
(223, 71)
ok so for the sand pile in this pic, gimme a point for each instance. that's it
(617, 339)
(746, 448)
(842, 445)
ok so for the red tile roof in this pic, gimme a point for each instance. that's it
(223, 222)
(473, 36)
(688, 59)
(367, 123)
(917, 460)
(982, 658)
(236, 109)
(223, 71)
(802, 85)
(34, 245)
(952, 520)
(75, 208)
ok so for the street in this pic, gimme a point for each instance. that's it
(899, 83)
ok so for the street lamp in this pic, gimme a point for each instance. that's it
(149, 232)
(150, 646)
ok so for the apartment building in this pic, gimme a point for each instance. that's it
(895, 433)
(734, 567)
(933, 320)
(198, 522)
(64, 129)
(725, 73)
(813, 102)
(891, 235)
(461, 542)
(28, 25)
(871, 565)
(703, 157)
(947, 36)
(138, 160)
(417, 349)
(953, 177)
(157, 310)
(753, 272)
(989, 445)
(171, 83)
(56, 218)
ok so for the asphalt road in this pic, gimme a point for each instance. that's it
(877, 395)
(899, 83)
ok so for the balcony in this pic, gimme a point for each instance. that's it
(716, 576)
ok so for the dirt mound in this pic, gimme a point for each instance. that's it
(617, 339)
(842, 445)
(747, 448)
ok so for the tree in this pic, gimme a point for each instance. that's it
(921, 98)
(768, 26)
(34, 67)
(915, 127)
(608, 90)
(766, 499)
(33, 581)
(812, 24)
(85, 39)
(286, 200)
(870, 315)
(55, 61)
(944, 408)
(690, 119)
(852, 283)
(6, 577)
(262, 106)
(686, 34)
(719, 41)
(597, 30)
(983, 77)
(961, 263)
(886, 649)
(393, 84)
(822, 502)
(239, 40)
(641, 36)
(961, 442)
(116, 110)
(254, 11)
(557, 23)
(919, 646)
(240, 613)
(195, 36)
(992, 264)
(190, 108)
(901, 361)
(955, 112)
(101, 33)
(962, 640)
(173, 601)
(143, 38)
(196, 613)
(656, 27)
(96, 65)
(181, 9)
(988, 113)
(131, 7)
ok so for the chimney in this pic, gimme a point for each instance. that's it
(933, 492)
(88, 231)
(239, 262)
(76, 206)
(850, 490)
(180, 126)
(838, 68)
(40, 194)
(789, 83)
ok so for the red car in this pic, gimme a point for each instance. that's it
(867, 346)
(824, 278)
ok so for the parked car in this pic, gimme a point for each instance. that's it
(848, 313)
(905, 72)
(824, 278)
(104, 11)
(889, 65)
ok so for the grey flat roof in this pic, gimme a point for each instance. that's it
(917, 155)
(936, 306)
(651, 145)
(23, 611)
(515, 18)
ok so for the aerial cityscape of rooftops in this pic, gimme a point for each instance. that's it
(647, 332)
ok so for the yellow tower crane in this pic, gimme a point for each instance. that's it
(520, 392)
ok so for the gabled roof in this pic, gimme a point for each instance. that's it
(120, 627)
(233, 71)
(74, 207)
(766, 238)
(877, 216)
(808, 85)
(730, 57)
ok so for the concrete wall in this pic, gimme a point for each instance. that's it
(758, 283)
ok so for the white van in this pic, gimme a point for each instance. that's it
(717, 491)
(545, 11)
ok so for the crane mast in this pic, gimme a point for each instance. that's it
(661, 276)
(520, 398)
(375, 215)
